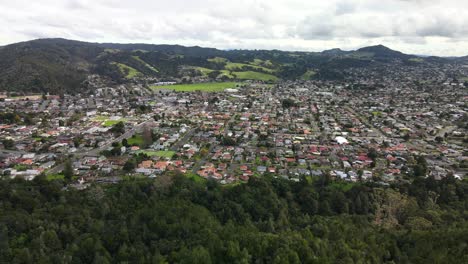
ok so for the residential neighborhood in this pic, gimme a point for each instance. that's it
(362, 129)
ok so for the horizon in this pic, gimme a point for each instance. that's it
(229, 49)
(427, 27)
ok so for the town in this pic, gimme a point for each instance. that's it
(380, 130)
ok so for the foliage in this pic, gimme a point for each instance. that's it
(177, 219)
(118, 128)
(205, 87)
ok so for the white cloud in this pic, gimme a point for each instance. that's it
(432, 27)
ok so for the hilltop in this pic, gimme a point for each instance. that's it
(64, 66)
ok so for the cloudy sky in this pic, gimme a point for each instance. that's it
(431, 27)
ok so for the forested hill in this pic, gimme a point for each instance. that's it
(63, 66)
(267, 220)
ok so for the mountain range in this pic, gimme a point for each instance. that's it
(64, 66)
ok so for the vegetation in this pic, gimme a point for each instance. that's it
(162, 154)
(205, 87)
(128, 71)
(178, 219)
(118, 128)
(251, 75)
(308, 75)
(52, 177)
(136, 140)
(37, 66)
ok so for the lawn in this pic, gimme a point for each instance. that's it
(162, 154)
(109, 123)
(52, 177)
(205, 87)
(251, 75)
(137, 140)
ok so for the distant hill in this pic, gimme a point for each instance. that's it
(382, 52)
(62, 66)
(46, 65)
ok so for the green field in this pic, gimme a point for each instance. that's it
(238, 66)
(218, 60)
(129, 71)
(416, 60)
(146, 64)
(135, 141)
(308, 75)
(106, 122)
(226, 73)
(204, 71)
(52, 177)
(205, 87)
(263, 63)
(162, 154)
(251, 75)
(109, 123)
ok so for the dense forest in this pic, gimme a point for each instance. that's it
(174, 219)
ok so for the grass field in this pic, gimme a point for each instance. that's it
(52, 177)
(204, 71)
(218, 60)
(125, 69)
(146, 64)
(238, 66)
(137, 140)
(251, 75)
(308, 75)
(416, 60)
(106, 122)
(162, 154)
(205, 87)
(109, 123)
(263, 63)
(227, 74)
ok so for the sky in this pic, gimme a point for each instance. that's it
(424, 27)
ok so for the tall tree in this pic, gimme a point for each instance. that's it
(68, 170)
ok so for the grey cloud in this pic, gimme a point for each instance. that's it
(295, 24)
(345, 7)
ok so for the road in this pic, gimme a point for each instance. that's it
(59, 168)
(180, 143)
(13, 151)
(198, 164)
